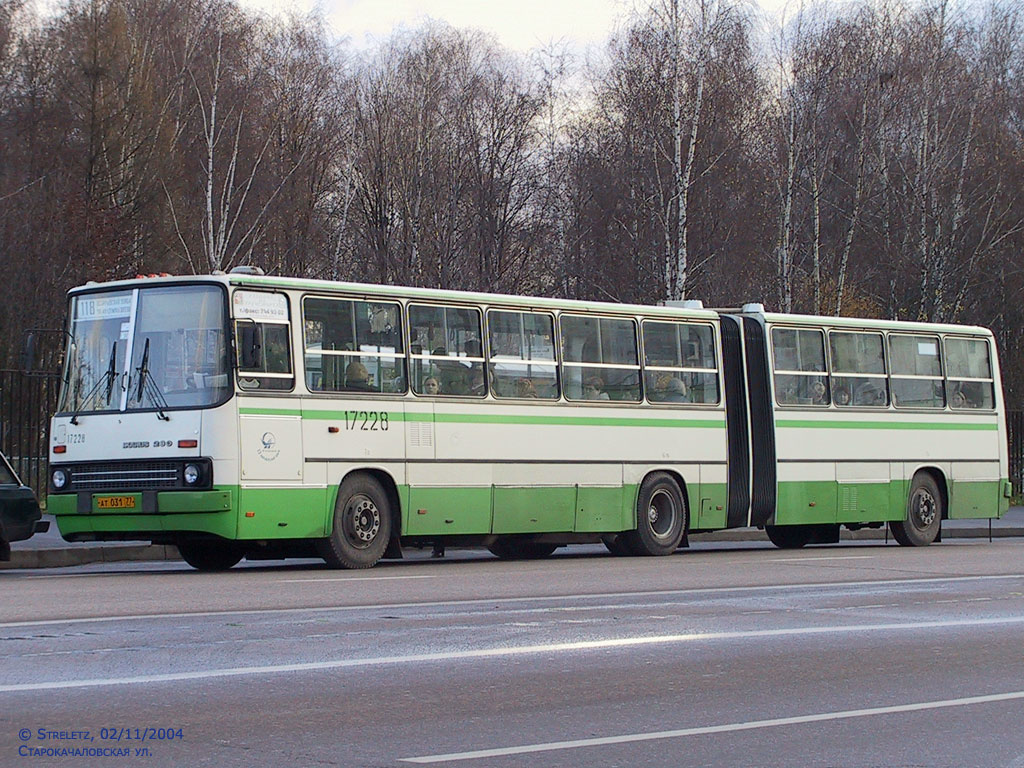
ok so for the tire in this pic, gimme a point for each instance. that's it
(616, 544)
(210, 555)
(925, 510)
(512, 549)
(661, 517)
(362, 525)
(788, 536)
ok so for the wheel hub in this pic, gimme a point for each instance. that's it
(924, 508)
(661, 514)
(362, 521)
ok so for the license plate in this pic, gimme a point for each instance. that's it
(115, 502)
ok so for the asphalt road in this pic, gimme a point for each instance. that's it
(732, 655)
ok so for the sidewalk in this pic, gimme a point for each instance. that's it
(49, 550)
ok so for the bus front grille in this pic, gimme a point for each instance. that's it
(125, 476)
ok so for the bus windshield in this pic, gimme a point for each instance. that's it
(176, 339)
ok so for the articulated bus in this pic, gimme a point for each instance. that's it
(243, 415)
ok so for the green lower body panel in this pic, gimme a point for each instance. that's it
(276, 513)
(534, 510)
(219, 524)
(599, 510)
(806, 503)
(60, 504)
(304, 512)
(980, 499)
(712, 512)
(825, 502)
(438, 511)
(282, 513)
(863, 502)
(212, 512)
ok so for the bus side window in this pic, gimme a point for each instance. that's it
(858, 369)
(521, 359)
(969, 374)
(679, 363)
(446, 351)
(353, 346)
(799, 361)
(916, 371)
(263, 339)
(599, 358)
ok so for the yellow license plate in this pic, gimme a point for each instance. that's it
(115, 502)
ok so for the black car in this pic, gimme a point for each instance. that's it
(19, 510)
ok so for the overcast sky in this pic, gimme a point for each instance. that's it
(520, 25)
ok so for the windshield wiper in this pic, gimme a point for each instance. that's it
(146, 386)
(107, 379)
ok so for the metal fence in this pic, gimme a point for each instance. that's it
(1015, 428)
(27, 400)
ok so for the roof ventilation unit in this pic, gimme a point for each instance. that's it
(247, 270)
(753, 309)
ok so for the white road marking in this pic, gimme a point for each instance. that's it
(819, 559)
(351, 579)
(709, 729)
(504, 652)
(497, 600)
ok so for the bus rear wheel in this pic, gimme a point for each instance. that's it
(511, 549)
(210, 555)
(362, 525)
(661, 517)
(924, 514)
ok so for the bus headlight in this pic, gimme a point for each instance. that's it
(192, 474)
(60, 478)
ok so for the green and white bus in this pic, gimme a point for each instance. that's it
(242, 415)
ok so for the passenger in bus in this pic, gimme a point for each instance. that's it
(659, 390)
(431, 386)
(819, 394)
(593, 388)
(868, 393)
(842, 394)
(526, 388)
(475, 380)
(675, 391)
(357, 377)
(967, 394)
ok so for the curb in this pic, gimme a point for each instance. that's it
(865, 534)
(63, 557)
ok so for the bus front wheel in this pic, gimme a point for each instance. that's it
(362, 525)
(210, 555)
(924, 514)
(660, 517)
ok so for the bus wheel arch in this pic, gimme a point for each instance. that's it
(662, 515)
(927, 506)
(364, 522)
